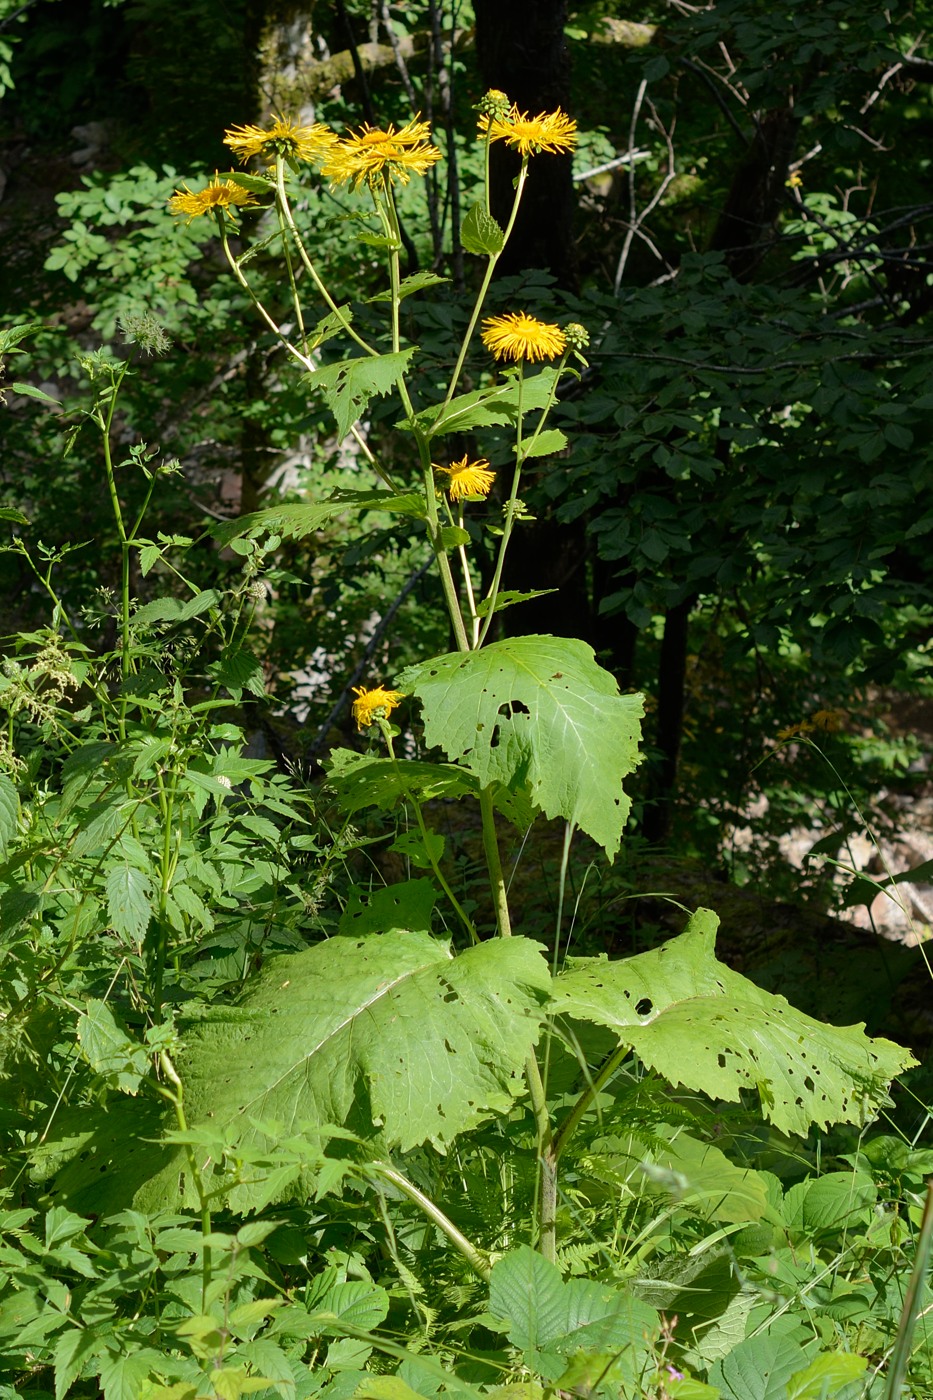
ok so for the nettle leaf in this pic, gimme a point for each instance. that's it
(349, 385)
(480, 233)
(298, 520)
(9, 813)
(129, 906)
(536, 713)
(699, 1024)
(110, 1050)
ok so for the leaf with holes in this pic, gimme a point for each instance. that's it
(699, 1024)
(536, 713)
(385, 1033)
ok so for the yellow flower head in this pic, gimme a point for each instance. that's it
(831, 721)
(518, 336)
(794, 731)
(373, 704)
(220, 194)
(550, 131)
(468, 478)
(372, 154)
(794, 180)
(282, 138)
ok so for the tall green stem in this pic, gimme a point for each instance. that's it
(547, 1165)
(522, 451)
(176, 1098)
(105, 423)
(487, 278)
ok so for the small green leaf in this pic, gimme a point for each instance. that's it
(415, 283)
(330, 325)
(508, 597)
(423, 852)
(826, 1376)
(16, 516)
(298, 520)
(452, 536)
(361, 781)
(406, 905)
(548, 441)
(109, 1049)
(29, 391)
(349, 385)
(256, 184)
(122, 1374)
(12, 335)
(483, 408)
(479, 232)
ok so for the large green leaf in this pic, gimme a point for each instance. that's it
(539, 713)
(700, 1024)
(437, 1041)
(386, 1032)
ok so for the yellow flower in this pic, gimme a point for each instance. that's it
(795, 731)
(371, 153)
(468, 478)
(549, 131)
(283, 138)
(794, 180)
(518, 336)
(829, 720)
(373, 704)
(220, 194)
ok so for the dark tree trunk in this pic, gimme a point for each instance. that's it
(745, 227)
(672, 674)
(521, 49)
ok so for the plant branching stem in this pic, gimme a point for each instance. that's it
(474, 1257)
